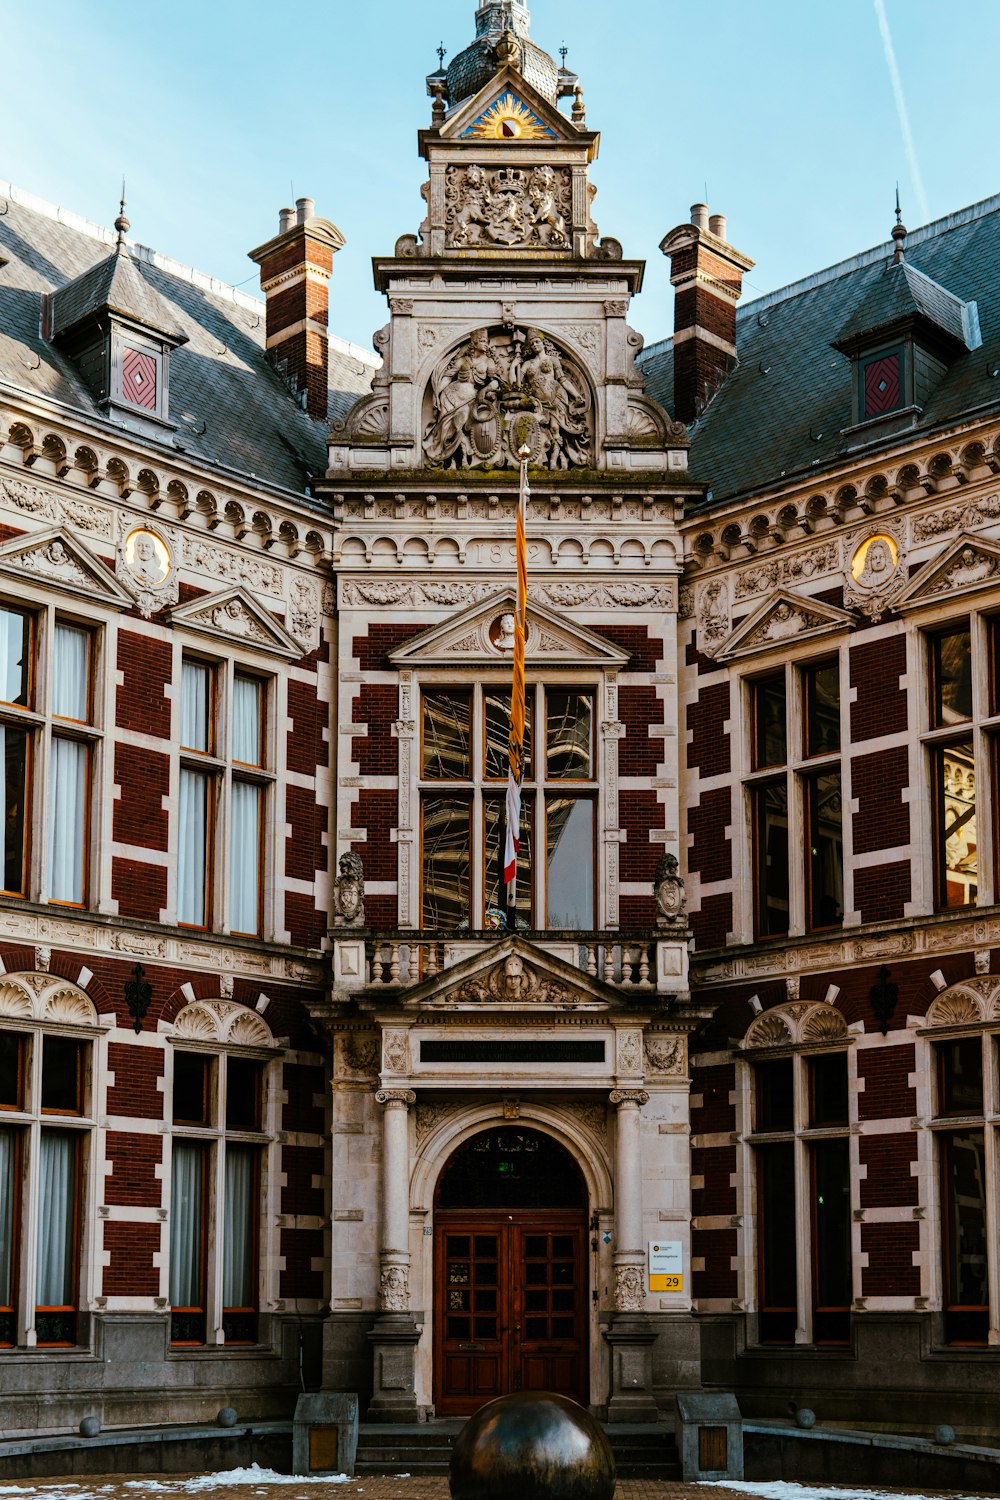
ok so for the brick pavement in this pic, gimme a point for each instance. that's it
(390, 1487)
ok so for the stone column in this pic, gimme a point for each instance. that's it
(630, 1334)
(395, 1335)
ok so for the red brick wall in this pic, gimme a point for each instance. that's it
(715, 1114)
(890, 1271)
(640, 753)
(299, 1113)
(377, 810)
(299, 1247)
(711, 853)
(889, 1183)
(372, 650)
(139, 889)
(300, 1165)
(306, 925)
(377, 752)
(716, 1164)
(882, 820)
(136, 1071)
(887, 1094)
(305, 853)
(133, 1179)
(638, 812)
(718, 1248)
(307, 716)
(131, 1272)
(882, 891)
(709, 750)
(713, 922)
(145, 665)
(880, 707)
(143, 777)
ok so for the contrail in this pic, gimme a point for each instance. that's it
(901, 110)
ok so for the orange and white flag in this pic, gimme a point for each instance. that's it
(515, 773)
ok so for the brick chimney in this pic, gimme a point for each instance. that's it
(708, 274)
(295, 270)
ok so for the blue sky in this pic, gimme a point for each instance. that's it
(213, 109)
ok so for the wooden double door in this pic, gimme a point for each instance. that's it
(510, 1305)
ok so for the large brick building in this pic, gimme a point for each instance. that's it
(263, 1123)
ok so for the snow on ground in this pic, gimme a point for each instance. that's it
(254, 1476)
(781, 1489)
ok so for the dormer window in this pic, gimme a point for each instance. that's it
(902, 337)
(882, 384)
(119, 332)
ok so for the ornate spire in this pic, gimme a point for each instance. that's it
(121, 223)
(494, 17)
(899, 234)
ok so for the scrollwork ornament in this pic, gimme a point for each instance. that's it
(628, 1097)
(395, 1098)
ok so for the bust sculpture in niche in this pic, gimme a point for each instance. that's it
(349, 892)
(671, 900)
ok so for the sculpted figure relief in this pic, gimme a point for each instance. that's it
(513, 208)
(349, 892)
(504, 389)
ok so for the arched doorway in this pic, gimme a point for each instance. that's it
(510, 1271)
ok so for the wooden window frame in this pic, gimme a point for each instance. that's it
(72, 1309)
(948, 1307)
(23, 1038)
(10, 1310)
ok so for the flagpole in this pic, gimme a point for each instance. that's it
(515, 774)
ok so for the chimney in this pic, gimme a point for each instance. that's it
(708, 275)
(295, 270)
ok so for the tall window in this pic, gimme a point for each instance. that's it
(45, 1120)
(801, 1158)
(216, 1180)
(47, 716)
(795, 799)
(223, 781)
(463, 775)
(959, 754)
(961, 1138)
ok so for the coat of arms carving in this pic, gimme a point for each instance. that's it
(511, 207)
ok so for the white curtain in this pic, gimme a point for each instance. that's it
(8, 1198)
(67, 812)
(70, 674)
(57, 1219)
(246, 721)
(186, 1209)
(237, 1241)
(196, 699)
(192, 853)
(244, 861)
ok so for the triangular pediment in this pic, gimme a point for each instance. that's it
(57, 557)
(509, 100)
(966, 566)
(476, 637)
(235, 615)
(513, 975)
(782, 618)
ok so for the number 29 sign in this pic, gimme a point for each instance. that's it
(666, 1266)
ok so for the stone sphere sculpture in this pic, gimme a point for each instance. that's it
(532, 1446)
(944, 1435)
(90, 1427)
(227, 1417)
(805, 1418)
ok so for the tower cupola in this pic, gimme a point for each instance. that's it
(502, 36)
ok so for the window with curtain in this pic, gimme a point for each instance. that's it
(223, 785)
(46, 1120)
(463, 772)
(217, 1182)
(246, 806)
(68, 800)
(801, 1171)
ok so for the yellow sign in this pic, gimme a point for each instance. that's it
(666, 1283)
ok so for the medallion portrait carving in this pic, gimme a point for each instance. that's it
(503, 389)
(875, 575)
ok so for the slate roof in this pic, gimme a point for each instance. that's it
(902, 292)
(230, 406)
(117, 284)
(783, 410)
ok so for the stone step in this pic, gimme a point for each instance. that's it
(640, 1453)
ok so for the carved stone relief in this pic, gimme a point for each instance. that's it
(629, 1052)
(395, 1051)
(630, 1290)
(875, 574)
(776, 573)
(146, 565)
(394, 1289)
(665, 1054)
(504, 389)
(514, 982)
(511, 207)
